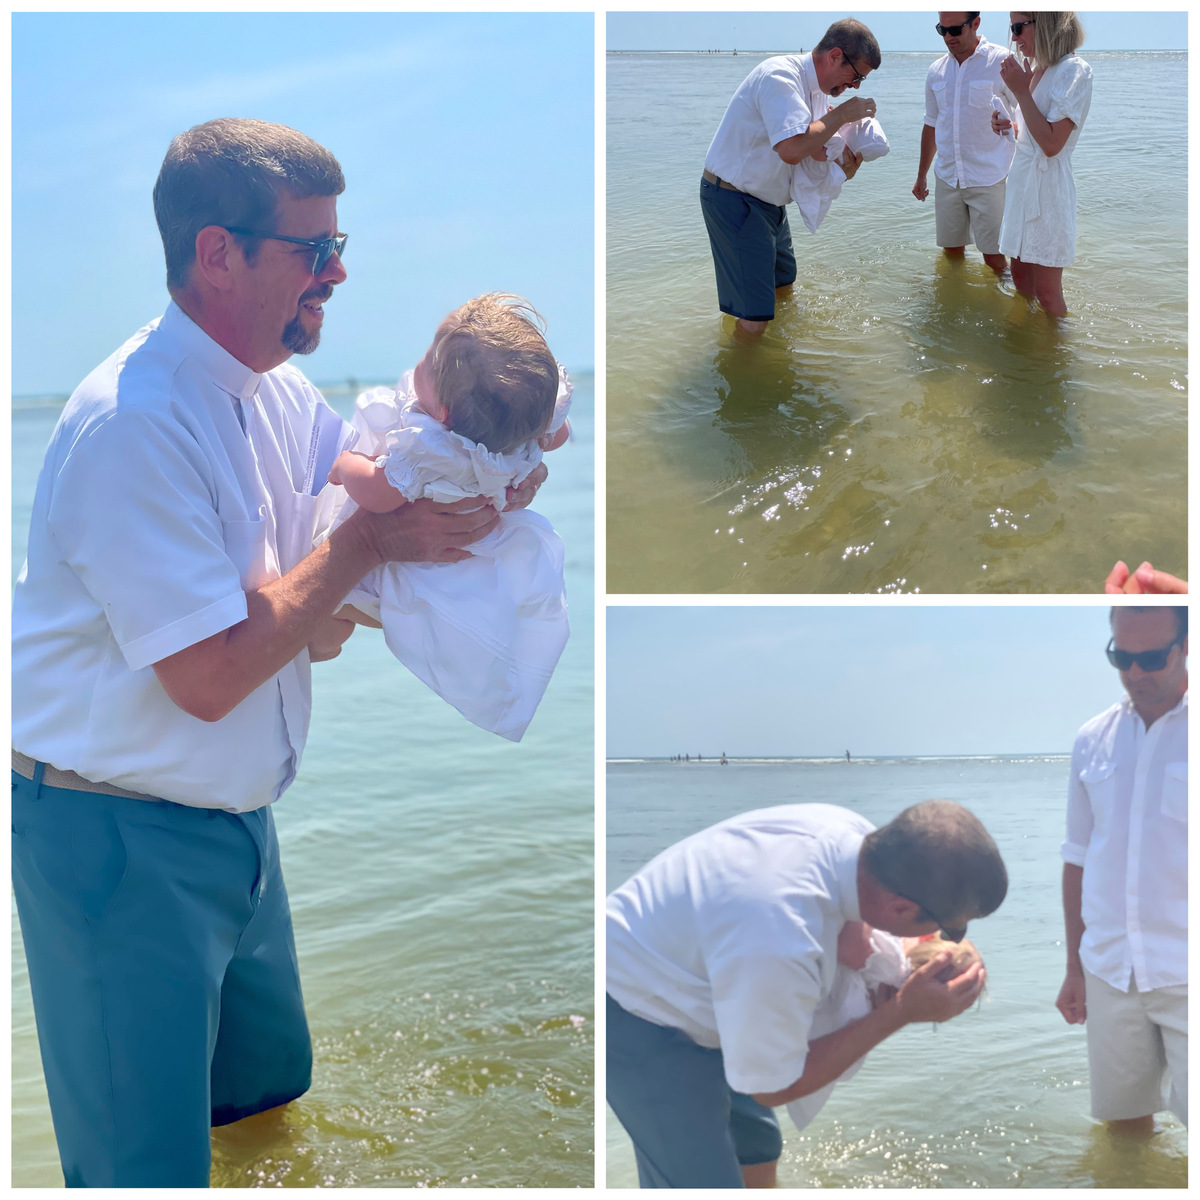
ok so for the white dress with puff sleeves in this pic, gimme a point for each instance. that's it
(485, 633)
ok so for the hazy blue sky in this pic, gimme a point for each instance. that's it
(873, 680)
(894, 30)
(466, 141)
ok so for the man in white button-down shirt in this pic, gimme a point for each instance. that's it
(162, 632)
(972, 162)
(1125, 877)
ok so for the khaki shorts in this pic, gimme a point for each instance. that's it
(969, 214)
(1137, 1041)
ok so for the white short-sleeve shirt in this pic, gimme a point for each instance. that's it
(176, 480)
(958, 104)
(1127, 823)
(778, 99)
(731, 935)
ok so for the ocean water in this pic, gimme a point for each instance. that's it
(907, 423)
(441, 882)
(997, 1097)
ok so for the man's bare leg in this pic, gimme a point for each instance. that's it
(954, 251)
(760, 1175)
(749, 331)
(1134, 1127)
(997, 262)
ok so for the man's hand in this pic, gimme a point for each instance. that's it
(854, 109)
(326, 640)
(522, 496)
(851, 162)
(1072, 998)
(921, 187)
(923, 997)
(424, 531)
(1001, 124)
(1145, 581)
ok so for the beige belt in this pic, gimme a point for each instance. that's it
(53, 777)
(707, 174)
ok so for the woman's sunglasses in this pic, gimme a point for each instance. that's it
(1148, 660)
(323, 248)
(1017, 26)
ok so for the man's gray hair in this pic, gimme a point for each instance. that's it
(938, 855)
(230, 172)
(853, 39)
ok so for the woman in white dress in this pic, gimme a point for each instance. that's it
(1055, 93)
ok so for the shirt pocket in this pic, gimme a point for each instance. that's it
(980, 94)
(246, 546)
(1174, 791)
(1099, 779)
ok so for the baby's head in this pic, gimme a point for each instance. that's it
(964, 955)
(490, 373)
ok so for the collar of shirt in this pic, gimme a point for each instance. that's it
(847, 877)
(228, 373)
(1127, 706)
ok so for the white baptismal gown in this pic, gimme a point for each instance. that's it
(485, 633)
(849, 1001)
(816, 185)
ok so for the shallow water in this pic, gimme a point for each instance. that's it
(995, 1098)
(441, 883)
(908, 423)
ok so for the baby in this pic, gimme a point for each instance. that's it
(472, 419)
(817, 184)
(871, 967)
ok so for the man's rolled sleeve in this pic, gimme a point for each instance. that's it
(134, 515)
(782, 107)
(1079, 815)
(764, 1008)
(931, 108)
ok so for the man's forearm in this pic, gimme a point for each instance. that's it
(831, 1056)
(209, 679)
(928, 150)
(1072, 895)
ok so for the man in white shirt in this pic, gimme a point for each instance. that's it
(163, 627)
(1125, 878)
(779, 116)
(721, 948)
(972, 162)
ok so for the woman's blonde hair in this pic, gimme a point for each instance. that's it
(494, 373)
(1055, 34)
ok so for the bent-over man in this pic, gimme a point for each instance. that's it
(722, 947)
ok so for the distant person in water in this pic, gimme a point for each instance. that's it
(1125, 878)
(1054, 90)
(970, 165)
(779, 116)
(722, 948)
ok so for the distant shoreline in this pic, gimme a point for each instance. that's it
(793, 50)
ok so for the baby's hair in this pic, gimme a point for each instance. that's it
(964, 954)
(494, 373)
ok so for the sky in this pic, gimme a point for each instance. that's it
(467, 142)
(817, 681)
(894, 31)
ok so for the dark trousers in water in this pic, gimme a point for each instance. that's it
(689, 1127)
(164, 977)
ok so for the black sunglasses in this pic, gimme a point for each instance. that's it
(1148, 660)
(952, 30)
(323, 248)
(950, 932)
(847, 63)
(1017, 26)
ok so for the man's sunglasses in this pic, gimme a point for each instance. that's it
(1148, 660)
(953, 30)
(1017, 26)
(847, 63)
(950, 932)
(323, 248)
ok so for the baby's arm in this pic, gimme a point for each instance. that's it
(552, 441)
(356, 616)
(366, 483)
